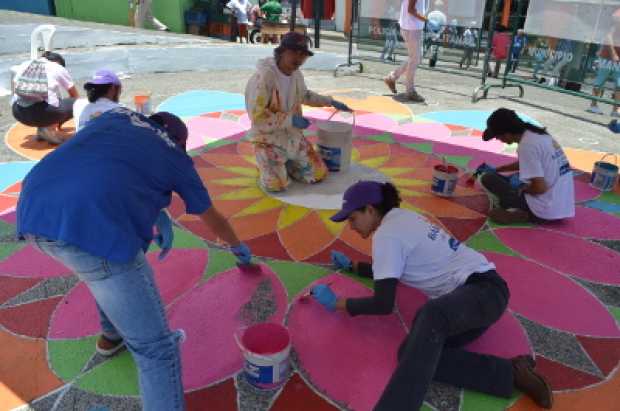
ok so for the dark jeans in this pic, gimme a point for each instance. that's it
(508, 196)
(468, 53)
(432, 350)
(44, 115)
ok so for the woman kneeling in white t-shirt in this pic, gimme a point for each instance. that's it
(543, 188)
(103, 92)
(466, 295)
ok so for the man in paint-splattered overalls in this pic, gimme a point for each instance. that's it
(274, 96)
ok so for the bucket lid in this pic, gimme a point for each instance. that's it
(446, 169)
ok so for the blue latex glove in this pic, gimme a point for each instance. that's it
(614, 126)
(340, 106)
(243, 253)
(515, 182)
(325, 296)
(165, 235)
(341, 261)
(484, 168)
(300, 122)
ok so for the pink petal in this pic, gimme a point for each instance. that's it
(76, 316)
(204, 129)
(564, 253)
(552, 299)
(506, 338)
(210, 315)
(349, 359)
(30, 262)
(584, 192)
(588, 223)
(376, 121)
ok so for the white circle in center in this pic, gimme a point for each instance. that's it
(327, 194)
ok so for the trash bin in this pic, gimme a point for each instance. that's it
(196, 20)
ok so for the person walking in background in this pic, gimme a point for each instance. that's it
(241, 10)
(144, 12)
(391, 39)
(469, 45)
(519, 42)
(412, 19)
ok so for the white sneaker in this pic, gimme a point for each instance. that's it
(594, 110)
(49, 134)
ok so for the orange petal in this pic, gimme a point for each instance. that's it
(301, 247)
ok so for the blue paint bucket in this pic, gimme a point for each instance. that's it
(444, 180)
(266, 348)
(604, 175)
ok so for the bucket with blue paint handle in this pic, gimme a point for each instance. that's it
(604, 174)
(266, 348)
(336, 142)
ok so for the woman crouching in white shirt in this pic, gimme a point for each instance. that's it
(466, 295)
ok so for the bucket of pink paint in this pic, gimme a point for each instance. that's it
(266, 348)
(444, 180)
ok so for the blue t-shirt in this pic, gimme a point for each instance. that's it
(102, 190)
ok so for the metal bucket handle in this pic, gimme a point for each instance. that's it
(337, 111)
(610, 154)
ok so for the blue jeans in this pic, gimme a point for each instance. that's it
(130, 307)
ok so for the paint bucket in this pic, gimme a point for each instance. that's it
(266, 348)
(142, 103)
(604, 174)
(444, 180)
(335, 143)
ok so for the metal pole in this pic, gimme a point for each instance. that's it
(353, 17)
(293, 15)
(317, 7)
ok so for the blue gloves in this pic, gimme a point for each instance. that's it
(341, 261)
(515, 182)
(300, 122)
(340, 106)
(325, 296)
(164, 235)
(614, 126)
(243, 253)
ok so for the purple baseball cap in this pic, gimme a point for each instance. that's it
(174, 126)
(359, 195)
(104, 77)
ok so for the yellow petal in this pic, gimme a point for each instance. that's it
(262, 205)
(410, 182)
(375, 162)
(240, 182)
(243, 194)
(244, 171)
(395, 171)
(334, 228)
(290, 215)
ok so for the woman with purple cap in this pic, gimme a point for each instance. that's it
(542, 189)
(99, 223)
(103, 91)
(466, 296)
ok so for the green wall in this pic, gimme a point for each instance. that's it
(170, 12)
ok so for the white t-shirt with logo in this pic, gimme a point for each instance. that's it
(284, 88)
(408, 21)
(58, 79)
(406, 246)
(541, 156)
(82, 114)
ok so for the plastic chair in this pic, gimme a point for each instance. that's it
(41, 40)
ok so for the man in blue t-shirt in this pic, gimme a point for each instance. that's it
(92, 205)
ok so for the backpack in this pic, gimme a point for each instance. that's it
(32, 84)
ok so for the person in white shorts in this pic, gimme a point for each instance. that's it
(412, 19)
(543, 189)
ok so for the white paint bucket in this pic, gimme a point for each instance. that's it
(444, 180)
(604, 175)
(335, 143)
(266, 348)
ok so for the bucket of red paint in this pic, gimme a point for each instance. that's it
(266, 348)
(444, 180)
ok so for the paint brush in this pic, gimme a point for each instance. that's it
(249, 268)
